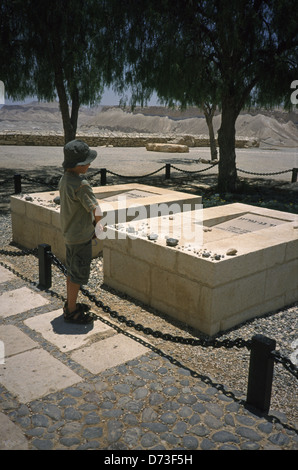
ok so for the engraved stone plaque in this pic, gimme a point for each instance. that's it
(249, 222)
(133, 194)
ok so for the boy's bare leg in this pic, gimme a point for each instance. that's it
(72, 295)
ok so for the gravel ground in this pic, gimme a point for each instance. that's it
(228, 367)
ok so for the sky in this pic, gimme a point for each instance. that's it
(109, 98)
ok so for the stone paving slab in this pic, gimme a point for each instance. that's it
(12, 437)
(6, 275)
(108, 353)
(20, 300)
(33, 374)
(15, 341)
(65, 336)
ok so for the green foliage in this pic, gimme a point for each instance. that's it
(231, 53)
(45, 36)
(196, 51)
(56, 49)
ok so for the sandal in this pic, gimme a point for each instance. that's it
(83, 307)
(78, 316)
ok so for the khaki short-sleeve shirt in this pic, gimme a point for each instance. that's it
(77, 203)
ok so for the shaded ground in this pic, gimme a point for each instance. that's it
(273, 194)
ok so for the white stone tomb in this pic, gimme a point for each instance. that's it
(36, 217)
(231, 263)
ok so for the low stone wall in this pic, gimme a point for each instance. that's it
(97, 141)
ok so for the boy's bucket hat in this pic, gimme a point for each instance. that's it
(77, 153)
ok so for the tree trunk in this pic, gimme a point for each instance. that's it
(69, 122)
(227, 173)
(75, 105)
(209, 111)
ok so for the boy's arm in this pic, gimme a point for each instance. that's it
(88, 200)
(97, 219)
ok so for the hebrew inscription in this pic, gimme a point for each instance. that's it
(249, 223)
(133, 194)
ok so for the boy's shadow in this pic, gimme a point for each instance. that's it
(60, 327)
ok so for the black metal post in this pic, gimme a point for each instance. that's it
(168, 171)
(103, 175)
(17, 184)
(294, 175)
(45, 266)
(260, 373)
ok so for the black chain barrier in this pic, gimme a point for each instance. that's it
(136, 177)
(190, 172)
(264, 174)
(206, 342)
(53, 181)
(285, 362)
(8, 180)
(50, 182)
(194, 171)
(21, 276)
(239, 342)
(260, 369)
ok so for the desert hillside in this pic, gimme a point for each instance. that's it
(275, 128)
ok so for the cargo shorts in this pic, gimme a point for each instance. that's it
(78, 261)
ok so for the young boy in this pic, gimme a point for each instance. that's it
(79, 213)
